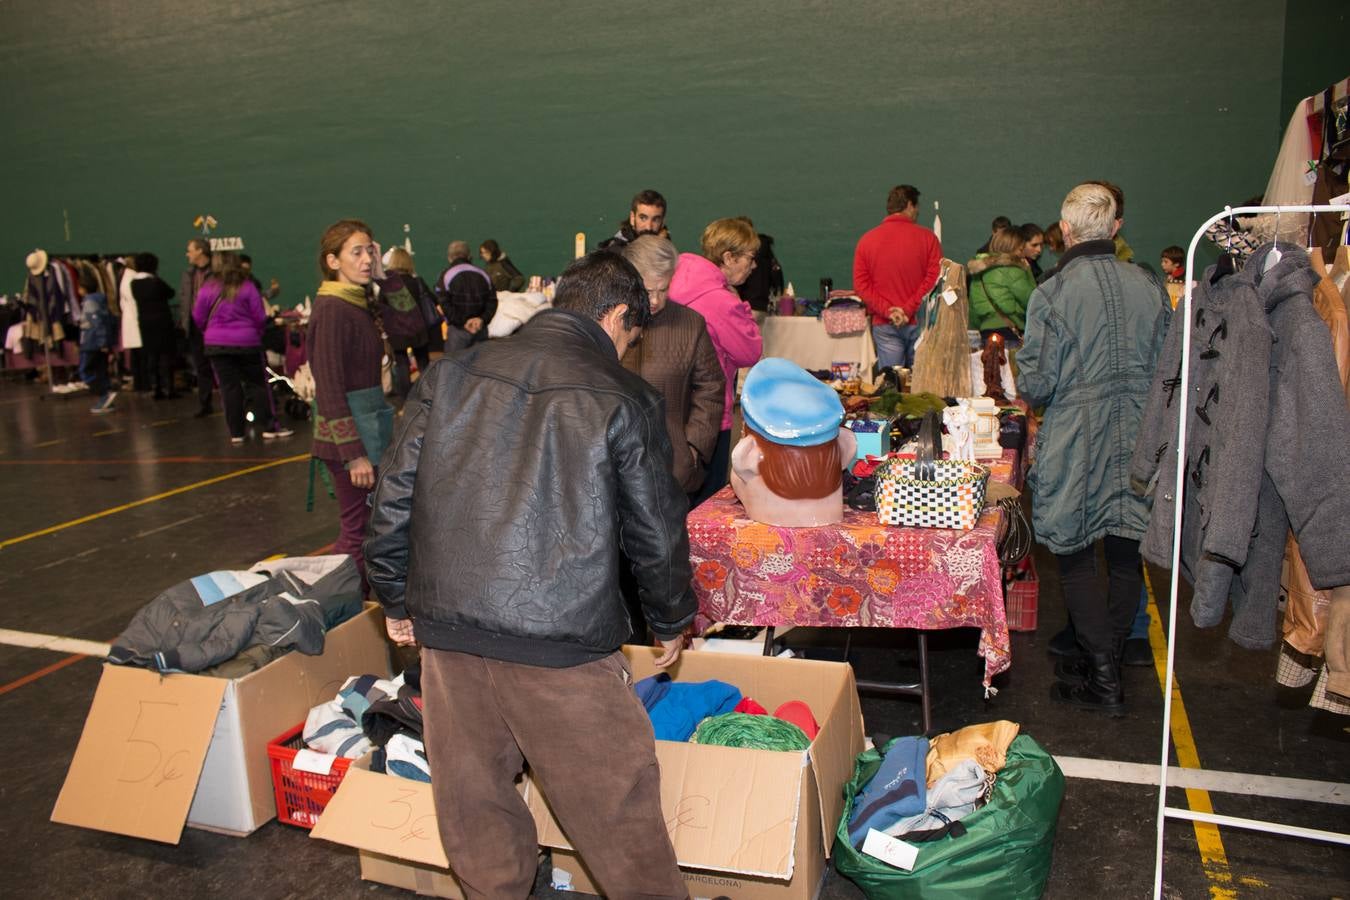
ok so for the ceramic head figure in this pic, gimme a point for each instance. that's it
(789, 469)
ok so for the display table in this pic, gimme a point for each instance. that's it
(854, 574)
(803, 340)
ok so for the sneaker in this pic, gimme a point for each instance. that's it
(278, 433)
(104, 405)
(237, 441)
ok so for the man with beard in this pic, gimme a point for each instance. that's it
(646, 215)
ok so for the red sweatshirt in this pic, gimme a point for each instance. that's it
(896, 264)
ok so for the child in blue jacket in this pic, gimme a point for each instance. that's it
(95, 341)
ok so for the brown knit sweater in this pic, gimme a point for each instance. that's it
(345, 351)
(676, 357)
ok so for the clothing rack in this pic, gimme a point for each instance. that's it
(1165, 811)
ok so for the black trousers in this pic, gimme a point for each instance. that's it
(200, 366)
(718, 472)
(1102, 619)
(240, 373)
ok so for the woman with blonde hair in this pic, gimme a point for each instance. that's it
(706, 284)
(1001, 283)
(400, 262)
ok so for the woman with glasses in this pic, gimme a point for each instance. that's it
(706, 284)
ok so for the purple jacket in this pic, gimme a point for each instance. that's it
(236, 323)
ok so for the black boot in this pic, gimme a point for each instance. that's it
(1101, 692)
(1065, 643)
(1074, 668)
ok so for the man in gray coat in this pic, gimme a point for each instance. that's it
(1094, 331)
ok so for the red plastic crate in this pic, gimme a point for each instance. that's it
(1021, 594)
(301, 796)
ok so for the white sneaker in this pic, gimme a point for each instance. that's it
(238, 442)
(279, 433)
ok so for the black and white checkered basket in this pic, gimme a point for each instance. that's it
(928, 492)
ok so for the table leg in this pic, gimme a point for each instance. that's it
(900, 689)
(768, 641)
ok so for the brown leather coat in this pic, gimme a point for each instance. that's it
(676, 357)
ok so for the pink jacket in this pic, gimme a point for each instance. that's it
(700, 285)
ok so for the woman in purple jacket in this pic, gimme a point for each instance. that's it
(231, 314)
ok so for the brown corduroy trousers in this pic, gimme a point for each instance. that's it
(588, 742)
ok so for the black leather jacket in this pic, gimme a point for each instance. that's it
(520, 471)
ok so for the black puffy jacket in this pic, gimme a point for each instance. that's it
(523, 470)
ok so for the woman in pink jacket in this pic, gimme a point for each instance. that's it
(706, 284)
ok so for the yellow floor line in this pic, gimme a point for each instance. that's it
(1213, 857)
(179, 490)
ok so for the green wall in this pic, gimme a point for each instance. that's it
(527, 122)
(1316, 34)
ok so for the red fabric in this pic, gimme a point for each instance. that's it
(750, 706)
(895, 264)
(799, 714)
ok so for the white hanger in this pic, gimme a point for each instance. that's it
(1274, 256)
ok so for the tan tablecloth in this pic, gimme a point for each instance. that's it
(803, 340)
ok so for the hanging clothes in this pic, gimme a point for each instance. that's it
(1306, 608)
(131, 323)
(1268, 425)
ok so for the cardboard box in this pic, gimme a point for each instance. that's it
(746, 824)
(159, 751)
(392, 822)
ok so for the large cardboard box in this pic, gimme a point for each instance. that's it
(159, 751)
(746, 824)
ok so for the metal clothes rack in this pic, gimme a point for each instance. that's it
(1165, 811)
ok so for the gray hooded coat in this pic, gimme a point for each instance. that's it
(1267, 432)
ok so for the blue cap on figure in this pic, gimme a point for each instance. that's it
(782, 402)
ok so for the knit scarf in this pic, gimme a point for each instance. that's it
(354, 294)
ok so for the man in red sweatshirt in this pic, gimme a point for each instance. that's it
(895, 265)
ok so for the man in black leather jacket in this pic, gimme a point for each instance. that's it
(520, 469)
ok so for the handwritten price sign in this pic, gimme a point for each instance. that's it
(138, 761)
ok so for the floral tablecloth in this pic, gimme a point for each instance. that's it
(856, 573)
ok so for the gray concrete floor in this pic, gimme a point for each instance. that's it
(58, 463)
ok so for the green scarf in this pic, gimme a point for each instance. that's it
(354, 294)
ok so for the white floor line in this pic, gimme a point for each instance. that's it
(141, 534)
(52, 642)
(1300, 789)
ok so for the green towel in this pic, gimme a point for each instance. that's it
(374, 420)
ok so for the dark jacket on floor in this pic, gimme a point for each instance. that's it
(212, 618)
(521, 471)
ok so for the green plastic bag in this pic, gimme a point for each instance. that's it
(1004, 854)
